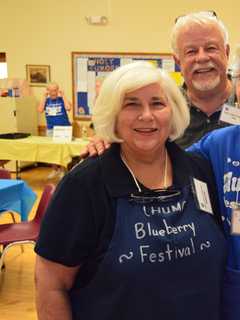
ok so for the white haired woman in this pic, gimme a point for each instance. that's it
(126, 236)
(236, 72)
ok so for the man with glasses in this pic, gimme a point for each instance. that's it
(201, 49)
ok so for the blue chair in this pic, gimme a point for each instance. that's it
(5, 174)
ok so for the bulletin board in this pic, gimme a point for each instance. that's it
(90, 68)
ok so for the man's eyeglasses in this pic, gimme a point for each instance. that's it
(149, 197)
(210, 13)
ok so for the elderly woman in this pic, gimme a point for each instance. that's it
(236, 72)
(134, 233)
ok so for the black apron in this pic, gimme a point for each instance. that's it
(165, 261)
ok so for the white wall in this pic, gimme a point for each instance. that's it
(46, 32)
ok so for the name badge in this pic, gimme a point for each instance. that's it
(230, 114)
(52, 111)
(235, 221)
(202, 196)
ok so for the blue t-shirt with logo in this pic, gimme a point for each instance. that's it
(56, 114)
(222, 148)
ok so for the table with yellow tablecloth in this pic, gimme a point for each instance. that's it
(41, 149)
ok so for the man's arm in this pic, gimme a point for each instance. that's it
(42, 103)
(67, 103)
(53, 281)
(238, 90)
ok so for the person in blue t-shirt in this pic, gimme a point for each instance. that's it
(222, 148)
(55, 105)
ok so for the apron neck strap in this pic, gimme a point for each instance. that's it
(134, 178)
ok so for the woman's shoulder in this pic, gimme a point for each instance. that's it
(95, 168)
(197, 159)
(86, 169)
(188, 161)
(198, 163)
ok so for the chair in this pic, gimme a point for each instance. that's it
(5, 174)
(26, 231)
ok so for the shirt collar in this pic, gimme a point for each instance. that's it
(230, 100)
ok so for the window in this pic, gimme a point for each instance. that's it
(3, 66)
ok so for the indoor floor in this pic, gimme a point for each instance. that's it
(17, 280)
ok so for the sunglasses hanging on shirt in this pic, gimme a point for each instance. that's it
(162, 195)
(149, 196)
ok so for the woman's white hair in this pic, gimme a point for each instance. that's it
(128, 78)
(236, 63)
(200, 18)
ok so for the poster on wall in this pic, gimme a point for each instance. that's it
(90, 69)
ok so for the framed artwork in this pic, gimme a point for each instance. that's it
(90, 68)
(38, 75)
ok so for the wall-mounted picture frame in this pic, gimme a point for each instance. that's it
(90, 68)
(38, 75)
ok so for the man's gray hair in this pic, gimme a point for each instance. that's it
(200, 18)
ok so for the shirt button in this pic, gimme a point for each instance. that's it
(208, 120)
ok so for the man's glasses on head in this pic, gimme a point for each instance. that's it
(210, 13)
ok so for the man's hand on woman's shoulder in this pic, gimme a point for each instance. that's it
(96, 146)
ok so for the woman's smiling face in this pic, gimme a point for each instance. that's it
(144, 121)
